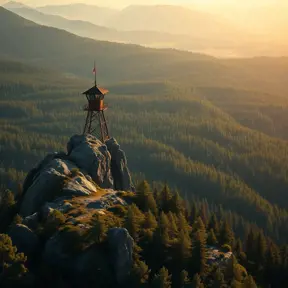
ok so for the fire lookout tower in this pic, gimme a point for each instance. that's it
(95, 121)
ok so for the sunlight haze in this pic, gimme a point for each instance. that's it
(117, 3)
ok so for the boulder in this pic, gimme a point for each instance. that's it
(93, 269)
(87, 268)
(31, 221)
(54, 252)
(47, 210)
(121, 249)
(46, 186)
(34, 173)
(119, 168)
(79, 186)
(105, 202)
(24, 239)
(91, 156)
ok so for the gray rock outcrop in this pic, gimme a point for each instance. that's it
(63, 193)
(105, 202)
(92, 156)
(121, 249)
(46, 185)
(87, 162)
(120, 246)
(119, 168)
(31, 221)
(24, 239)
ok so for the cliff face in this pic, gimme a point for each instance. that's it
(63, 196)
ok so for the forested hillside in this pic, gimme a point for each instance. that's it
(66, 52)
(213, 129)
(190, 143)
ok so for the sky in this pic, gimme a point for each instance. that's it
(123, 3)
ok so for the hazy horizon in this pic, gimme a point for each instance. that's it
(225, 28)
(117, 4)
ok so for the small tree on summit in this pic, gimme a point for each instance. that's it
(99, 229)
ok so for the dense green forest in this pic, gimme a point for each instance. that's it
(213, 129)
(192, 140)
(176, 244)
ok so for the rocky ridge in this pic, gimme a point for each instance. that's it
(62, 196)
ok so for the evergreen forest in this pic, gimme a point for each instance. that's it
(209, 135)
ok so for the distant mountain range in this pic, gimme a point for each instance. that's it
(151, 38)
(160, 18)
(91, 13)
(198, 36)
(58, 49)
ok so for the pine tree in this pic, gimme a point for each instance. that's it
(236, 284)
(165, 198)
(7, 199)
(163, 229)
(139, 274)
(229, 269)
(151, 204)
(200, 225)
(176, 203)
(251, 249)
(204, 212)
(226, 234)
(162, 280)
(99, 229)
(184, 278)
(214, 224)
(156, 195)
(211, 239)
(131, 223)
(13, 263)
(261, 250)
(7, 207)
(196, 283)
(142, 190)
(184, 246)
(17, 219)
(173, 225)
(199, 256)
(145, 198)
(150, 221)
(218, 279)
(53, 222)
(273, 262)
(238, 247)
(194, 213)
(249, 282)
(183, 224)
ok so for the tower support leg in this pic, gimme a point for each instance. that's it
(96, 125)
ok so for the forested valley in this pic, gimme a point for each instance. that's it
(208, 128)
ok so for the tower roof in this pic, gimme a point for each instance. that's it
(96, 91)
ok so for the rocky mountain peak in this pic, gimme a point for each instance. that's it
(63, 196)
